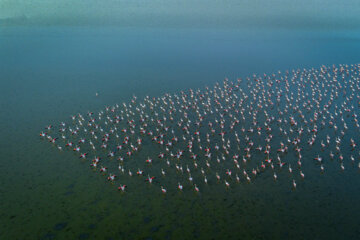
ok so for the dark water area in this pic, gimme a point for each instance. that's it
(50, 73)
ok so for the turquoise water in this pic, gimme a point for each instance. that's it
(50, 73)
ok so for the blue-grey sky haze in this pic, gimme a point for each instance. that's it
(286, 13)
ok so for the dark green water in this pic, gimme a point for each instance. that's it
(48, 74)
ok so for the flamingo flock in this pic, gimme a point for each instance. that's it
(230, 134)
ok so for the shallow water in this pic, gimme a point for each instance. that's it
(50, 73)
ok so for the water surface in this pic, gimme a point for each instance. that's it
(50, 73)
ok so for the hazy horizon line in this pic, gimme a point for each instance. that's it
(158, 21)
